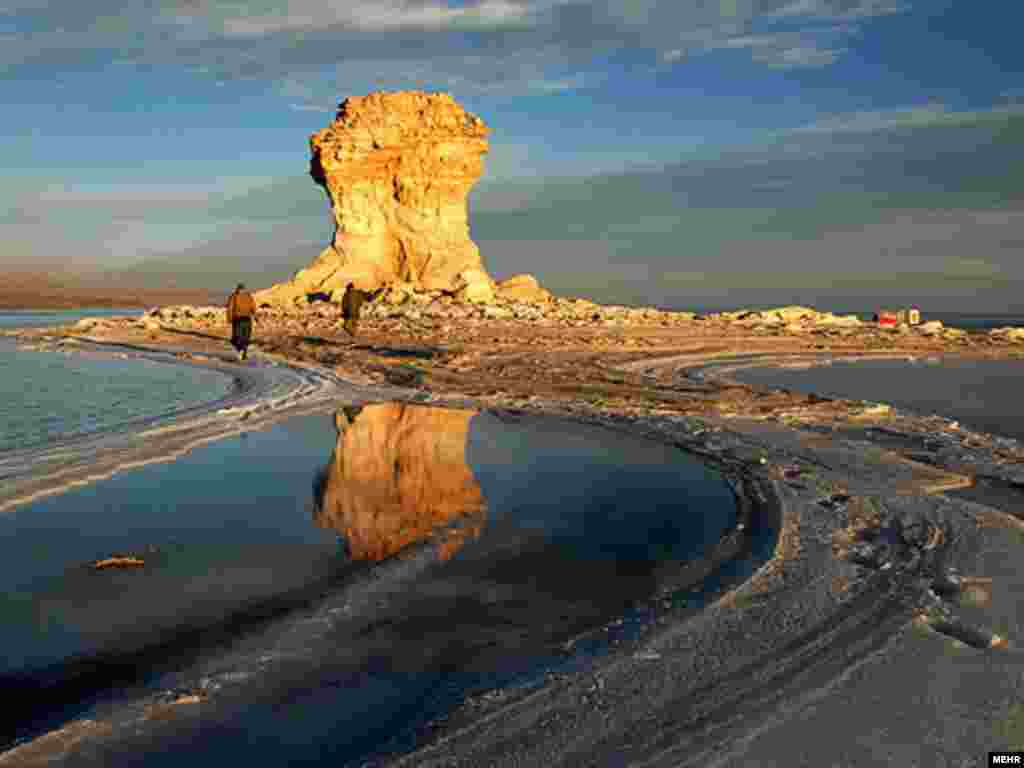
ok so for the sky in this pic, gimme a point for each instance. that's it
(840, 153)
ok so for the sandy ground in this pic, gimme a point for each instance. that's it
(885, 630)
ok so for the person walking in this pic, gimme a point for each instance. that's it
(351, 306)
(241, 309)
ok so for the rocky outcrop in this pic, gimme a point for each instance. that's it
(397, 168)
(522, 288)
(399, 474)
(474, 286)
(1008, 333)
(793, 318)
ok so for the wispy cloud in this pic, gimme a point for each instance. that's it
(925, 116)
(971, 267)
(492, 45)
(378, 16)
(799, 34)
(142, 195)
(118, 222)
(839, 10)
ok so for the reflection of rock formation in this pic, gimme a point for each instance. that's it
(398, 473)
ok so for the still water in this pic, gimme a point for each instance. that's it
(50, 395)
(42, 318)
(982, 394)
(334, 582)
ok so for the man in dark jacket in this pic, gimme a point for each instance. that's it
(241, 308)
(352, 301)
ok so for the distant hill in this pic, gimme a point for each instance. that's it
(42, 290)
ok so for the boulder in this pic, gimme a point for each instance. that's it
(476, 293)
(794, 313)
(1008, 333)
(522, 288)
(473, 286)
(837, 321)
(398, 293)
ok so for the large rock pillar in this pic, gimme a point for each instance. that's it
(397, 169)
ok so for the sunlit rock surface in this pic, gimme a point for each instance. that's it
(522, 288)
(397, 168)
(398, 474)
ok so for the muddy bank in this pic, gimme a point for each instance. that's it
(876, 561)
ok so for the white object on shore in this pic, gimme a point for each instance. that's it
(647, 656)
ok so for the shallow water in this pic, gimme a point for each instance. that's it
(45, 396)
(976, 322)
(334, 586)
(42, 318)
(982, 394)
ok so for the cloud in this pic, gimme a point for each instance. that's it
(840, 10)
(970, 267)
(921, 201)
(148, 195)
(485, 46)
(925, 116)
(115, 224)
(1013, 97)
(800, 34)
(378, 16)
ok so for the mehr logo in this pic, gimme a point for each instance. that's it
(1006, 758)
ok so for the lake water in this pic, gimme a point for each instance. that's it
(42, 318)
(968, 321)
(45, 396)
(982, 394)
(974, 322)
(334, 585)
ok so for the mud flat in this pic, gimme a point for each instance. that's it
(884, 629)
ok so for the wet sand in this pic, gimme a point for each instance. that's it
(884, 629)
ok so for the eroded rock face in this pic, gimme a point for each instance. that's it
(397, 168)
(398, 473)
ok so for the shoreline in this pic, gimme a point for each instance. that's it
(263, 394)
(670, 576)
(866, 542)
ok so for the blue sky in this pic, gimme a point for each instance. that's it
(832, 152)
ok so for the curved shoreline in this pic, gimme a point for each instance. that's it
(662, 706)
(866, 607)
(266, 391)
(732, 545)
(866, 569)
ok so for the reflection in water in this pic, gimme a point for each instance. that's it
(398, 474)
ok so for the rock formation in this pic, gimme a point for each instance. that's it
(397, 168)
(1008, 333)
(397, 475)
(522, 288)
